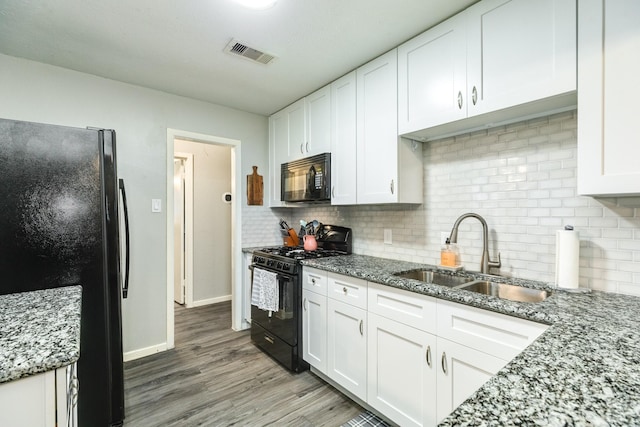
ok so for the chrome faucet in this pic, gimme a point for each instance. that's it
(485, 262)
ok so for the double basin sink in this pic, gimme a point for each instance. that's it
(486, 287)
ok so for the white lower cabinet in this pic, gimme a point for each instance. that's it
(314, 323)
(39, 400)
(314, 318)
(411, 357)
(461, 371)
(347, 346)
(401, 372)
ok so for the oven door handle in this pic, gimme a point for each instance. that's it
(278, 276)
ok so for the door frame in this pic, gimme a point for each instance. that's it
(236, 224)
(188, 226)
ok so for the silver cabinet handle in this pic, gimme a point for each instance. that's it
(460, 100)
(392, 187)
(333, 191)
(428, 355)
(304, 304)
(344, 290)
(444, 362)
(268, 339)
(474, 95)
(307, 146)
(362, 327)
(302, 148)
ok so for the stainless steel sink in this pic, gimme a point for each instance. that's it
(505, 291)
(429, 276)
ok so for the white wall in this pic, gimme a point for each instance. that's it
(522, 179)
(211, 220)
(37, 92)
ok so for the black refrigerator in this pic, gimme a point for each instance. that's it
(60, 216)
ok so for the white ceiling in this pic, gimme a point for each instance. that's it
(177, 46)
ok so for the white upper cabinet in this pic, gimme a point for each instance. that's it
(343, 140)
(297, 134)
(496, 62)
(388, 170)
(608, 70)
(519, 51)
(432, 70)
(278, 154)
(318, 123)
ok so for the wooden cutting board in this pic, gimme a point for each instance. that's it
(255, 188)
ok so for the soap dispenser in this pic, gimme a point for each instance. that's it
(449, 254)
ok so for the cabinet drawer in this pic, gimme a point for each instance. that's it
(409, 308)
(348, 290)
(492, 333)
(314, 280)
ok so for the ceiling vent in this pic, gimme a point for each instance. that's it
(235, 47)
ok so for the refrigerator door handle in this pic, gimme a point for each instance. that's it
(125, 288)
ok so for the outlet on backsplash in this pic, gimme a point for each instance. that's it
(387, 236)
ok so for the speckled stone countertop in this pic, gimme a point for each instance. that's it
(39, 331)
(583, 371)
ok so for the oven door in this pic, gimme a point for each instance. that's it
(306, 180)
(282, 323)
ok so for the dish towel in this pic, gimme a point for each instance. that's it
(264, 294)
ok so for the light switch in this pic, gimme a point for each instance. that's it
(156, 205)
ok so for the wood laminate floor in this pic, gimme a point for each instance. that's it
(216, 377)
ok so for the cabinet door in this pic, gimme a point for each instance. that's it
(432, 77)
(460, 372)
(347, 347)
(29, 401)
(314, 330)
(297, 136)
(318, 122)
(519, 51)
(278, 154)
(401, 372)
(608, 127)
(377, 129)
(343, 140)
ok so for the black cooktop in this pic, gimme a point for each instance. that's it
(298, 253)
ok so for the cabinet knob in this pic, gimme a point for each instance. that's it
(428, 355)
(460, 100)
(443, 362)
(313, 281)
(474, 95)
(344, 290)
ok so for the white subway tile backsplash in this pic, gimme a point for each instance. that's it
(522, 179)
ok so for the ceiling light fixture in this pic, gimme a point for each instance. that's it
(257, 4)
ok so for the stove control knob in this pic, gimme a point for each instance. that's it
(279, 265)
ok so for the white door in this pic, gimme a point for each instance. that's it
(432, 71)
(314, 324)
(343, 140)
(401, 372)
(377, 129)
(178, 230)
(347, 347)
(608, 128)
(519, 51)
(461, 371)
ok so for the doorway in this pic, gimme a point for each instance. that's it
(174, 239)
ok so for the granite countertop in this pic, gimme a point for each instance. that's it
(583, 370)
(39, 331)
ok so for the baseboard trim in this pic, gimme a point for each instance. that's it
(144, 352)
(208, 301)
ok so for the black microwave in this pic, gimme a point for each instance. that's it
(307, 180)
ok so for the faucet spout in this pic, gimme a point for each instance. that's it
(485, 262)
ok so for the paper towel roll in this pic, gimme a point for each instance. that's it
(567, 258)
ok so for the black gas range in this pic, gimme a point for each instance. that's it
(279, 332)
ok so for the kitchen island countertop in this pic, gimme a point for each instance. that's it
(584, 370)
(39, 331)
